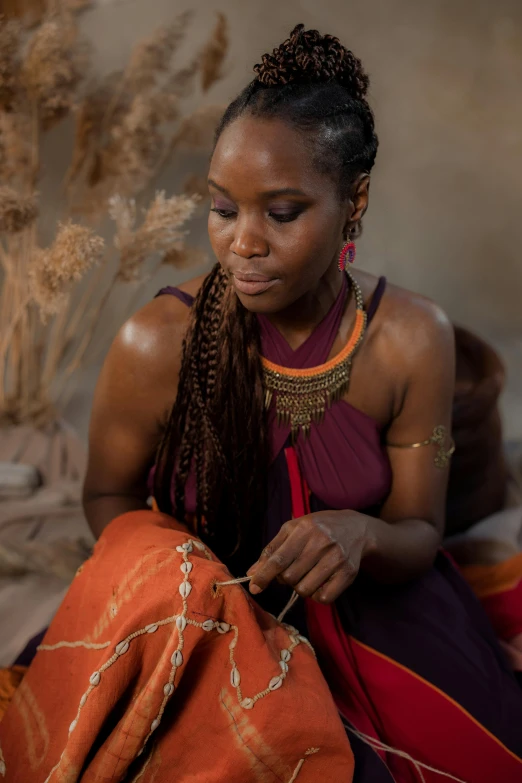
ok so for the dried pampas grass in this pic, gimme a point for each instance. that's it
(16, 150)
(10, 37)
(214, 54)
(152, 57)
(159, 233)
(128, 126)
(16, 211)
(53, 271)
(52, 67)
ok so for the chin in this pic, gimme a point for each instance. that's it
(264, 304)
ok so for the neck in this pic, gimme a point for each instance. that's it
(297, 322)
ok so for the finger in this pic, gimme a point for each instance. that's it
(315, 551)
(336, 585)
(278, 561)
(270, 548)
(325, 569)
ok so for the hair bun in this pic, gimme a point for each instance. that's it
(308, 56)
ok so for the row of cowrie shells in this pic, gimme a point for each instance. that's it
(122, 647)
(276, 682)
(185, 589)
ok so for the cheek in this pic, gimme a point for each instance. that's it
(220, 234)
(307, 250)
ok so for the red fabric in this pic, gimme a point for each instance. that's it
(299, 491)
(426, 724)
(499, 587)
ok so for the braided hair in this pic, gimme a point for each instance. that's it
(217, 429)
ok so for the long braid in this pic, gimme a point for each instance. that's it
(217, 429)
(210, 426)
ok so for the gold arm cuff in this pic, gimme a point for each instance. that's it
(439, 438)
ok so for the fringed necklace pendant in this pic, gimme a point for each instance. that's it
(302, 396)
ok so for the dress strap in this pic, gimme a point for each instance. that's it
(183, 296)
(376, 299)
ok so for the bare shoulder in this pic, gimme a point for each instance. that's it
(411, 326)
(141, 370)
(154, 334)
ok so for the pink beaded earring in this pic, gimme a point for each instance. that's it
(347, 255)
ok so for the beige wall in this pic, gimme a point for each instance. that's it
(447, 92)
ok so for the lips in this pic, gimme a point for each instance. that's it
(251, 283)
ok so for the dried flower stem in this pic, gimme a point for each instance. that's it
(82, 347)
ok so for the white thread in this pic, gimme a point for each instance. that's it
(87, 645)
(376, 744)
(287, 608)
(143, 769)
(235, 581)
(300, 763)
(297, 770)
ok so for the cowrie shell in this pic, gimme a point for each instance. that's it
(286, 655)
(181, 622)
(187, 547)
(208, 625)
(122, 648)
(152, 628)
(184, 589)
(168, 689)
(284, 666)
(247, 704)
(235, 678)
(154, 725)
(186, 567)
(223, 628)
(177, 658)
(275, 683)
(73, 726)
(95, 677)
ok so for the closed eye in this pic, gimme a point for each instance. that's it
(224, 213)
(286, 217)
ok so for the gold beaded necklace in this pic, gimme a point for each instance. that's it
(302, 396)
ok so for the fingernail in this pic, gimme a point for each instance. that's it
(252, 568)
(255, 589)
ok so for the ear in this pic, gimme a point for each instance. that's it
(358, 202)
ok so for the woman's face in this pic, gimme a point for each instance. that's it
(276, 223)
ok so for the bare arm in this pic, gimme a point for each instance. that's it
(411, 525)
(133, 397)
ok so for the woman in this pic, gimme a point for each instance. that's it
(289, 405)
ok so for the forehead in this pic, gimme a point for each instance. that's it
(255, 154)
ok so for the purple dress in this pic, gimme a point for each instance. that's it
(434, 628)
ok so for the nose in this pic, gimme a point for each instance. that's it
(248, 239)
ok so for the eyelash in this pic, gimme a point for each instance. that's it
(278, 218)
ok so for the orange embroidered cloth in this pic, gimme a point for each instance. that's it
(152, 672)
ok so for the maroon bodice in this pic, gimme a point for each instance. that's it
(343, 460)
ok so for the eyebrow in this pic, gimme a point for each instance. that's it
(266, 193)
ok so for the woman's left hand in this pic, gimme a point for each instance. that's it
(319, 555)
